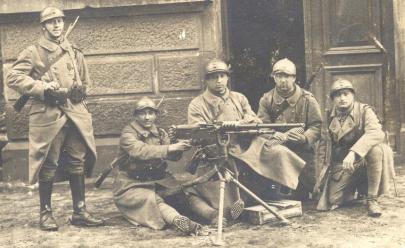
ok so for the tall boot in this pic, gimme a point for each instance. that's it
(46, 220)
(81, 217)
(374, 173)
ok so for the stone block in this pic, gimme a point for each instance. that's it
(110, 117)
(179, 72)
(138, 33)
(121, 74)
(15, 161)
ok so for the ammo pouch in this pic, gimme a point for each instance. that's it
(56, 97)
(77, 93)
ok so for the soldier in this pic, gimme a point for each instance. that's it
(143, 151)
(59, 127)
(360, 159)
(218, 103)
(289, 103)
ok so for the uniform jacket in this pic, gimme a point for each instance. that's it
(141, 158)
(359, 132)
(45, 120)
(302, 108)
(142, 168)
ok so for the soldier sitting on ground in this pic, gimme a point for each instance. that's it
(360, 159)
(144, 149)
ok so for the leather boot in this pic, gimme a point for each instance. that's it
(373, 208)
(202, 209)
(46, 220)
(187, 226)
(80, 215)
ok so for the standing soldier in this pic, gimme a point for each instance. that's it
(54, 74)
(144, 149)
(289, 103)
(360, 159)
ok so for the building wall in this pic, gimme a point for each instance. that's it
(133, 48)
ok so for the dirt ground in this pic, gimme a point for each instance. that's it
(345, 227)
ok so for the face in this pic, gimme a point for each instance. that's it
(54, 27)
(284, 82)
(343, 99)
(146, 117)
(217, 82)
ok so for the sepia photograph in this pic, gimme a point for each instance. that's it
(202, 123)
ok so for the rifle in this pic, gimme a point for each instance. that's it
(307, 85)
(22, 100)
(116, 162)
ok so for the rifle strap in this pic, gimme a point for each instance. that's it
(48, 64)
(72, 58)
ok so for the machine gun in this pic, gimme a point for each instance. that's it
(219, 133)
(203, 134)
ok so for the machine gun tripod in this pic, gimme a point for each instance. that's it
(201, 134)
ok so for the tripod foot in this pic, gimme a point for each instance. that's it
(218, 242)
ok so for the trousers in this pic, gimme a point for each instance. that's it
(70, 142)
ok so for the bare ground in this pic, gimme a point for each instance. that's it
(345, 227)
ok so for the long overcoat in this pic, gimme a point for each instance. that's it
(45, 120)
(142, 169)
(301, 107)
(362, 129)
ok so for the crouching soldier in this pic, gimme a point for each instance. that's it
(143, 169)
(360, 159)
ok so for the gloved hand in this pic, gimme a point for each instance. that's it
(55, 97)
(77, 93)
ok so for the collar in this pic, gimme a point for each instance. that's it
(52, 46)
(214, 99)
(292, 100)
(143, 131)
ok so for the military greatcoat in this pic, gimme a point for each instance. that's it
(359, 132)
(45, 120)
(301, 107)
(142, 170)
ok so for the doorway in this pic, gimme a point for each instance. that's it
(261, 32)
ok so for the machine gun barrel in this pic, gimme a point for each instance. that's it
(259, 126)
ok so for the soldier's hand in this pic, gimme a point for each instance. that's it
(182, 145)
(229, 124)
(171, 132)
(279, 136)
(297, 138)
(348, 162)
(52, 86)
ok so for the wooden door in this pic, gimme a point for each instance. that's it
(352, 40)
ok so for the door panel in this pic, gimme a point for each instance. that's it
(352, 40)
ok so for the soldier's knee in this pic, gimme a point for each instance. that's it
(46, 175)
(376, 153)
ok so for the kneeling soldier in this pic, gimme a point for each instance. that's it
(144, 149)
(359, 157)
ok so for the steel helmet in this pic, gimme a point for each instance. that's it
(340, 84)
(144, 103)
(49, 13)
(285, 66)
(216, 65)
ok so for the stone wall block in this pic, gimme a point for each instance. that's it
(114, 75)
(180, 72)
